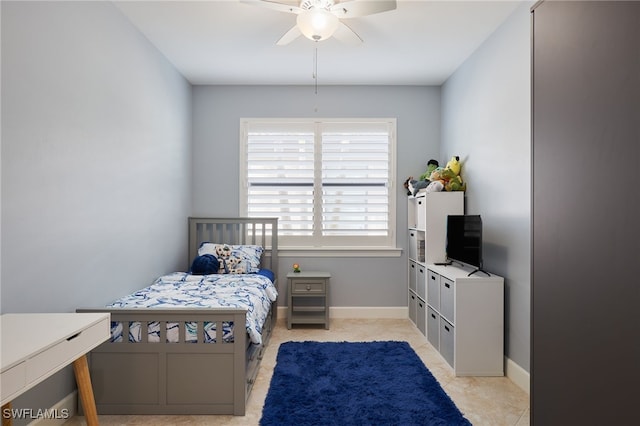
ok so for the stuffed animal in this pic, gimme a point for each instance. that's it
(435, 186)
(431, 166)
(205, 265)
(229, 264)
(414, 186)
(455, 183)
(454, 165)
(406, 185)
(232, 266)
(223, 251)
(449, 176)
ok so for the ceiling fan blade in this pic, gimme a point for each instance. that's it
(356, 8)
(289, 36)
(347, 35)
(274, 5)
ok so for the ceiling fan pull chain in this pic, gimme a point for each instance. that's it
(315, 69)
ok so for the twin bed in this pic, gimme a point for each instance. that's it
(192, 344)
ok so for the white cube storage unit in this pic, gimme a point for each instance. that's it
(427, 219)
(465, 319)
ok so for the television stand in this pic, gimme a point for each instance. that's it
(465, 319)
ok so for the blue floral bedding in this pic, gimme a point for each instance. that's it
(253, 292)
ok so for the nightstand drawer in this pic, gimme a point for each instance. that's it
(307, 286)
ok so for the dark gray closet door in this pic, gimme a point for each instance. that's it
(585, 357)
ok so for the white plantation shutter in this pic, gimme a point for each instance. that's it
(355, 180)
(280, 174)
(328, 182)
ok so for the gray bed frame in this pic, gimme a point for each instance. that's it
(186, 378)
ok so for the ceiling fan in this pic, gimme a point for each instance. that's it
(320, 19)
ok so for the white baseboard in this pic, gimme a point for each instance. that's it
(368, 312)
(62, 411)
(282, 312)
(518, 375)
(357, 312)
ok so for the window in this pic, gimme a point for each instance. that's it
(329, 182)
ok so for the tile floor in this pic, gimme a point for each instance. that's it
(490, 401)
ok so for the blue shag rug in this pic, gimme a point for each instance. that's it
(364, 383)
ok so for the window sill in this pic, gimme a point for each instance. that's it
(339, 251)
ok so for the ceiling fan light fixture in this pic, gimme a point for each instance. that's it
(317, 24)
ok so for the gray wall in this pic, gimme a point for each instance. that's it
(216, 121)
(486, 120)
(586, 229)
(96, 157)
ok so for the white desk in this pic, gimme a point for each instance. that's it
(35, 346)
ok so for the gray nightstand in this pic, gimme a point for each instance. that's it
(308, 298)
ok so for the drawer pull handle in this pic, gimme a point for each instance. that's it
(433, 316)
(308, 287)
(447, 285)
(446, 328)
(433, 278)
(72, 337)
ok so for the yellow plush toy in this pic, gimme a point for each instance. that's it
(454, 165)
(455, 183)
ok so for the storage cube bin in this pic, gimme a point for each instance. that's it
(421, 282)
(413, 307)
(447, 339)
(433, 328)
(413, 244)
(447, 299)
(421, 320)
(413, 274)
(433, 290)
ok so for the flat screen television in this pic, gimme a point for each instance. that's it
(464, 240)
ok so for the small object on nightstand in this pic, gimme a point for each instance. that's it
(308, 298)
(296, 268)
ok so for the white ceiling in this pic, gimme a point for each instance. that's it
(422, 42)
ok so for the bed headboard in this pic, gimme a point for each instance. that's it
(237, 230)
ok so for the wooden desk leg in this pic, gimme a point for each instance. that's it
(81, 370)
(8, 420)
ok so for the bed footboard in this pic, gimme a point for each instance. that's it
(163, 376)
